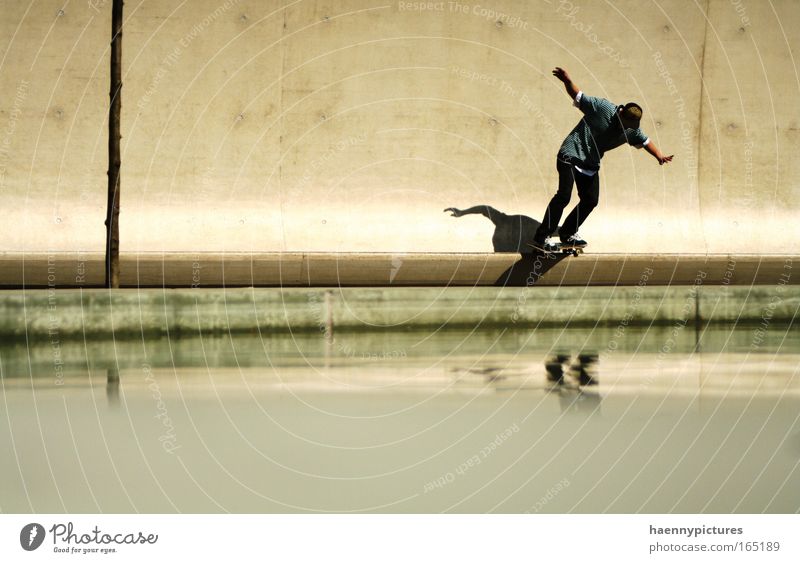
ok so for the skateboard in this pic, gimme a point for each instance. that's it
(560, 249)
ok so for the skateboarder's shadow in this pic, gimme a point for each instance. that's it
(512, 233)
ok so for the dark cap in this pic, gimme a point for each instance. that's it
(631, 113)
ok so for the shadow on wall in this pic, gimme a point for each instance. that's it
(512, 233)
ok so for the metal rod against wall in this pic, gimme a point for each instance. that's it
(114, 160)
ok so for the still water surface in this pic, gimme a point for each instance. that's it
(605, 420)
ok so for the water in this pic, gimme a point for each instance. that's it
(673, 419)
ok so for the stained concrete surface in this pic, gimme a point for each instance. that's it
(79, 314)
(288, 269)
(347, 126)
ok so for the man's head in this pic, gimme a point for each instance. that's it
(630, 115)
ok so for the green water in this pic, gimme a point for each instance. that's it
(673, 419)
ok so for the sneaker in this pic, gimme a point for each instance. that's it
(544, 246)
(573, 242)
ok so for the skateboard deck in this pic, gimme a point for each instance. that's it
(560, 248)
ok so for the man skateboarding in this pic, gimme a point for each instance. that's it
(604, 126)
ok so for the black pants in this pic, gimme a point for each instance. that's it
(588, 192)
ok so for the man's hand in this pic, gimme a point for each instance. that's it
(454, 212)
(561, 74)
(657, 154)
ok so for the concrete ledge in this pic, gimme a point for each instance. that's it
(61, 314)
(292, 269)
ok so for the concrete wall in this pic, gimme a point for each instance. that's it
(346, 125)
(98, 313)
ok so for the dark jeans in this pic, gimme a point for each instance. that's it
(588, 192)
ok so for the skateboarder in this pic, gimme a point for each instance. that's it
(604, 126)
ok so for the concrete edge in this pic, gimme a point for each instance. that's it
(98, 313)
(308, 269)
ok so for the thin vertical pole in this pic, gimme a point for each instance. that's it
(114, 160)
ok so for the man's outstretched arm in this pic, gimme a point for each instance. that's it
(563, 76)
(659, 156)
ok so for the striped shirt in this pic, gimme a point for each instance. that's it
(595, 134)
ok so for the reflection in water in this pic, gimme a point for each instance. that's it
(573, 396)
(289, 423)
(490, 375)
(583, 370)
(579, 401)
(555, 368)
(112, 387)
